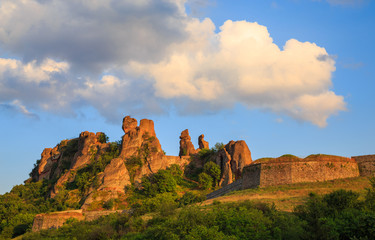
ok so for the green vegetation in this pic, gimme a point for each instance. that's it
(103, 138)
(340, 214)
(210, 176)
(22, 203)
(205, 181)
(207, 157)
(162, 191)
(87, 176)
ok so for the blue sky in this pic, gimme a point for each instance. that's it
(293, 76)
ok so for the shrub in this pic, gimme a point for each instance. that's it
(189, 198)
(205, 181)
(213, 170)
(103, 138)
(108, 204)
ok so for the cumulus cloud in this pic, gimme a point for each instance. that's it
(92, 35)
(242, 64)
(146, 56)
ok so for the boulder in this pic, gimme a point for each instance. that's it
(241, 156)
(232, 159)
(202, 143)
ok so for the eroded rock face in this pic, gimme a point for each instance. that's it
(138, 142)
(241, 156)
(135, 137)
(202, 143)
(49, 156)
(88, 146)
(232, 159)
(223, 159)
(186, 146)
(116, 176)
(88, 150)
(129, 124)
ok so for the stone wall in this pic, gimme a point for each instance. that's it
(304, 170)
(57, 219)
(366, 164)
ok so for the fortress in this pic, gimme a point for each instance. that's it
(140, 154)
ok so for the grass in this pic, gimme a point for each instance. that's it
(286, 197)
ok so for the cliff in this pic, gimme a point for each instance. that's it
(89, 171)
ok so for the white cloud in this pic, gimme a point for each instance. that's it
(242, 64)
(144, 56)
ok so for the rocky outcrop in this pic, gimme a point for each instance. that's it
(186, 146)
(139, 143)
(240, 156)
(49, 156)
(89, 146)
(202, 143)
(135, 137)
(139, 154)
(232, 158)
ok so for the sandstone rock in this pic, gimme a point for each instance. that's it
(88, 150)
(146, 126)
(88, 147)
(186, 146)
(129, 124)
(116, 176)
(136, 136)
(49, 156)
(223, 159)
(241, 156)
(202, 143)
(232, 159)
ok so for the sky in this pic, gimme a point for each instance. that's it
(288, 77)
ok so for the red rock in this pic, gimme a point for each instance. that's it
(129, 124)
(241, 156)
(232, 159)
(186, 146)
(202, 143)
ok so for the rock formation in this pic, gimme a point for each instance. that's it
(232, 158)
(186, 146)
(202, 143)
(139, 154)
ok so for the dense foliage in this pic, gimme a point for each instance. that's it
(18, 208)
(338, 215)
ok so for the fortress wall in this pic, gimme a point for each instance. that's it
(57, 219)
(251, 176)
(278, 173)
(366, 164)
(275, 174)
(316, 171)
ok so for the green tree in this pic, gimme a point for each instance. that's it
(205, 180)
(214, 171)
